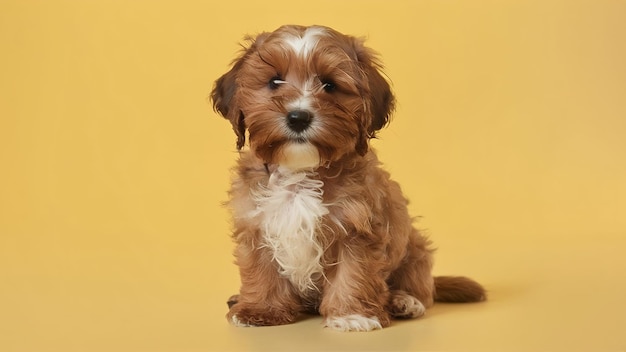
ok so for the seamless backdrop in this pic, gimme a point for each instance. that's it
(509, 140)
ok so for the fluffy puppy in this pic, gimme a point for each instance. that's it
(319, 226)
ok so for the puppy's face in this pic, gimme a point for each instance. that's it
(306, 96)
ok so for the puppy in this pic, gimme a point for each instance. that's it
(319, 226)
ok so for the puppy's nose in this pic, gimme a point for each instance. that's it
(299, 120)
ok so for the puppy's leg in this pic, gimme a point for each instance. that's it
(355, 294)
(265, 297)
(412, 280)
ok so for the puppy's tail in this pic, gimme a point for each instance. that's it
(458, 289)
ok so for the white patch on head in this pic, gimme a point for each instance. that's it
(290, 211)
(299, 156)
(304, 45)
(353, 322)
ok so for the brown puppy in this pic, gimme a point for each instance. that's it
(319, 226)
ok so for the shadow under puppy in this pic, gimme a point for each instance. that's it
(319, 226)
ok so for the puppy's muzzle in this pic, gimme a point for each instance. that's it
(299, 120)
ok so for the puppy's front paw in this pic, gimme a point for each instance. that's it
(353, 322)
(244, 315)
(234, 320)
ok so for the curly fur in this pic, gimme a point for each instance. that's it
(319, 226)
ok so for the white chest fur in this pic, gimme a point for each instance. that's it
(289, 210)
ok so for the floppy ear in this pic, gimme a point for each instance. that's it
(380, 99)
(224, 103)
(224, 94)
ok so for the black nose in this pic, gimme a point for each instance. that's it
(299, 120)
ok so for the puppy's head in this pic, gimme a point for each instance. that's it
(306, 96)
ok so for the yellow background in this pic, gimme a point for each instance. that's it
(509, 138)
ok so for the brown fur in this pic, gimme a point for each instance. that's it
(374, 260)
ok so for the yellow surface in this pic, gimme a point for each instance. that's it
(510, 140)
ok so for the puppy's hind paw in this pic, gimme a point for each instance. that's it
(404, 306)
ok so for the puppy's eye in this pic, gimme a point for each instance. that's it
(275, 82)
(329, 86)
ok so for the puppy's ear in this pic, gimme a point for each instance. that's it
(380, 99)
(377, 95)
(224, 94)
(223, 97)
